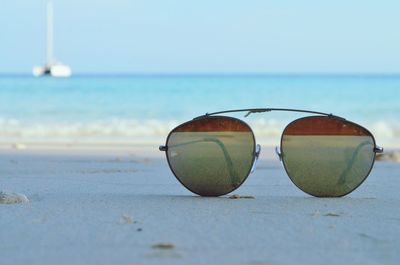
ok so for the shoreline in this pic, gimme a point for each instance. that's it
(143, 149)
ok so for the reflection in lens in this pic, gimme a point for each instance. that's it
(211, 156)
(327, 156)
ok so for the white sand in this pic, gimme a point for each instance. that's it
(126, 207)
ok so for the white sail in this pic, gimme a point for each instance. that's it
(49, 35)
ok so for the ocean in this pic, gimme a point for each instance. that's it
(143, 109)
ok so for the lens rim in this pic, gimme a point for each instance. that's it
(342, 120)
(212, 117)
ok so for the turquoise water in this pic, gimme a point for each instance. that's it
(144, 108)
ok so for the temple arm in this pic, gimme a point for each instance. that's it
(233, 174)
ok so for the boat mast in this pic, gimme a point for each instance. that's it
(49, 51)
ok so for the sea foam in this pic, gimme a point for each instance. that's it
(267, 131)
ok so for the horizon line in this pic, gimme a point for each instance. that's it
(216, 74)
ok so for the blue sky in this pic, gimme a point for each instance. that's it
(208, 36)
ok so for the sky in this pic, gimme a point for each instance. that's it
(207, 36)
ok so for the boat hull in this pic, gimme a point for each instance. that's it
(57, 70)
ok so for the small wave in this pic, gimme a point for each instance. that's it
(125, 128)
(267, 131)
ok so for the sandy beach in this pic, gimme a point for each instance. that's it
(123, 206)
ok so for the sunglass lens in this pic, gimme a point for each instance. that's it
(211, 156)
(327, 156)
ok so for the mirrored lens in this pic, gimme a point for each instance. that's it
(327, 156)
(211, 156)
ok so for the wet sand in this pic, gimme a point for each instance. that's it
(124, 206)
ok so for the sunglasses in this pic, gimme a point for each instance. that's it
(324, 155)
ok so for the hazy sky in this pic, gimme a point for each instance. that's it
(172, 36)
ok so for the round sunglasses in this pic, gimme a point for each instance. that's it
(324, 155)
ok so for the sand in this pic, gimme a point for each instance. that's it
(124, 206)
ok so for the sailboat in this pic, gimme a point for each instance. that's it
(52, 66)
